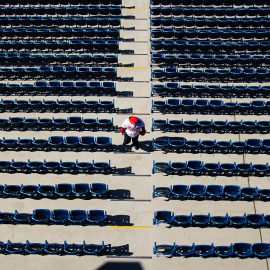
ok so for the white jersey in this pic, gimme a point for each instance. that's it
(131, 129)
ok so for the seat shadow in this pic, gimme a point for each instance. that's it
(119, 220)
(146, 146)
(120, 194)
(124, 93)
(121, 171)
(120, 251)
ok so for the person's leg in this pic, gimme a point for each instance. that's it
(135, 142)
(127, 139)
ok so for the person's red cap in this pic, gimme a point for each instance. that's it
(133, 120)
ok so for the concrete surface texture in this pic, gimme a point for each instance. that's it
(140, 206)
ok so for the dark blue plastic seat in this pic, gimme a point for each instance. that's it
(242, 250)
(194, 166)
(46, 191)
(15, 248)
(161, 192)
(179, 191)
(178, 167)
(29, 191)
(93, 249)
(87, 142)
(204, 250)
(219, 221)
(232, 192)
(64, 190)
(59, 216)
(238, 221)
(255, 220)
(249, 193)
(6, 217)
(261, 250)
(201, 220)
(224, 251)
(53, 248)
(214, 192)
(103, 142)
(81, 190)
(163, 217)
(96, 216)
(264, 194)
(41, 216)
(99, 189)
(185, 250)
(77, 217)
(197, 192)
(72, 249)
(11, 191)
(182, 220)
(228, 168)
(34, 248)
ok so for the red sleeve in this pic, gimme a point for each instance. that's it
(122, 130)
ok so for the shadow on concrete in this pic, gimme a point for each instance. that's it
(121, 266)
(120, 194)
(119, 220)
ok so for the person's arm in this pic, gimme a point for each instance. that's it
(123, 128)
(143, 131)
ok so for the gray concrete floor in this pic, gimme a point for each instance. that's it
(141, 236)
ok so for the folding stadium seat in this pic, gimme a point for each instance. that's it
(64, 191)
(72, 249)
(56, 142)
(41, 216)
(254, 145)
(103, 143)
(81, 190)
(264, 194)
(89, 123)
(72, 143)
(161, 192)
(176, 144)
(185, 250)
(224, 251)
(102, 167)
(15, 248)
(6, 217)
(25, 144)
(46, 191)
(159, 124)
(163, 217)
(29, 191)
(214, 192)
(179, 192)
(11, 191)
(238, 221)
(195, 166)
(255, 220)
(164, 250)
(249, 193)
(93, 249)
(228, 169)
(201, 220)
(208, 145)
(160, 144)
(8, 144)
(178, 168)
(232, 192)
(242, 250)
(77, 217)
(22, 218)
(260, 169)
(87, 142)
(197, 192)
(219, 221)
(204, 250)
(59, 216)
(53, 248)
(244, 169)
(5, 166)
(34, 248)
(97, 217)
(261, 250)
(19, 166)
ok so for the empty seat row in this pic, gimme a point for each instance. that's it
(208, 46)
(59, 88)
(61, 72)
(20, 58)
(207, 60)
(209, 22)
(240, 250)
(206, 90)
(109, 45)
(210, 11)
(59, 21)
(47, 248)
(182, 145)
(211, 192)
(56, 167)
(55, 217)
(31, 105)
(231, 34)
(58, 143)
(209, 75)
(61, 31)
(70, 123)
(175, 3)
(198, 167)
(209, 126)
(214, 106)
(70, 2)
(63, 191)
(209, 220)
